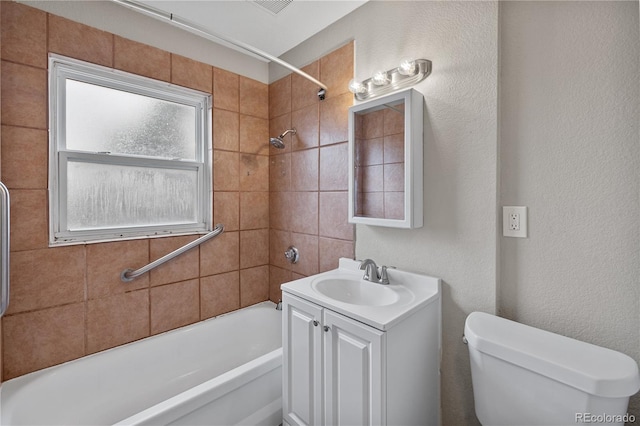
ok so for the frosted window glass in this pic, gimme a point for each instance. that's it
(109, 196)
(101, 119)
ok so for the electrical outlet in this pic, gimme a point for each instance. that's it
(514, 221)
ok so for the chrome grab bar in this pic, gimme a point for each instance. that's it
(129, 274)
(4, 248)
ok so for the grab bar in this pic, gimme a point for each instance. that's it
(4, 248)
(129, 274)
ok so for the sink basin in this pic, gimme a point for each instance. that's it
(355, 292)
(343, 290)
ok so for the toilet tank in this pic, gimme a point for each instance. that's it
(526, 376)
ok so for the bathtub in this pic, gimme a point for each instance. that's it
(223, 371)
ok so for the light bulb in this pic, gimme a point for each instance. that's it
(356, 87)
(380, 78)
(407, 66)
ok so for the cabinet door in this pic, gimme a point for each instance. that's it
(302, 362)
(354, 374)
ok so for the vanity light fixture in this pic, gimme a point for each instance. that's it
(410, 72)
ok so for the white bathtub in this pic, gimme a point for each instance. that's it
(222, 371)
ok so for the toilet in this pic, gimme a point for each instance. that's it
(526, 376)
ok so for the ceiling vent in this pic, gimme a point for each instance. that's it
(273, 6)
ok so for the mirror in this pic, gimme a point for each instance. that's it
(385, 161)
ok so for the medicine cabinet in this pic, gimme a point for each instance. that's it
(386, 162)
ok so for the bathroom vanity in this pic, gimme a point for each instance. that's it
(359, 352)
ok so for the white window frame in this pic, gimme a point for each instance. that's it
(62, 68)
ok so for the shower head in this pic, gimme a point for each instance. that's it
(278, 142)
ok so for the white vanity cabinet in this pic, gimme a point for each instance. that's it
(341, 371)
(333, 367)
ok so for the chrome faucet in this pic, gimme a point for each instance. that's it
(371, 272)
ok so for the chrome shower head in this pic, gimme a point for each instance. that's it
(278, 142)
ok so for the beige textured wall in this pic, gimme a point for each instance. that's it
(570, 151)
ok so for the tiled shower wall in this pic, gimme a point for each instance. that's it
(309, 178)
(67, 302)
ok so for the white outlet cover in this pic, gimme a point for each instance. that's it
(521, 211)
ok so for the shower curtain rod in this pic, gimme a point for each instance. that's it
(196, 29)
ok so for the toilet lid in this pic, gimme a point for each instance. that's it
(590, 368)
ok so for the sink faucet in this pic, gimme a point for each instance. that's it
(371, 272)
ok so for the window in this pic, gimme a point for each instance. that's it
(129, 156)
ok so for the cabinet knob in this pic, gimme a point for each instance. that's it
(315, 323)
(326, 328)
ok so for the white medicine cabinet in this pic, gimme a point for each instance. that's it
(386, 161)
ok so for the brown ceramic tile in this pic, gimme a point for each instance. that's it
(181, 268)
(277, 277)
(106, 261)
(254, 285)
(254, 172)
(219, 294)
(304, 212)
(254, 135)
(221, 254)
(254, 210)
(334, 167)
(193, 74)
(303, 91)
(254, 248)
(40, 339)
(394, 205)
(394, 148)
(372, 178)
(117, 320)
(29, 226)
(334, 119)
(24, 158)
(296, 276)
(334, 215)
(394, 177)
(373, 204)
(304, 170)
(226, 89)
(373, 125)
(394, 120)
(336, 70)
(226, 171)
(226, 210)
(24, 34)
(24, 96)
(174, 305)
(254, 98)
(280, 173)
(307, 246)
(279, 210)
(226, 130)
(332, 250)
(306, 122)
(141, 59)
(280, 97)
(45, 278)
(80, 41)
(279, 241)
(277, 126)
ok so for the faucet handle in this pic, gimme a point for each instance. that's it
(384, 277)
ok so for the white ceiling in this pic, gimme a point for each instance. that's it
(245, 21)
